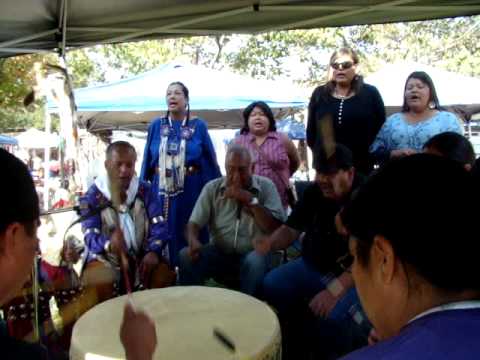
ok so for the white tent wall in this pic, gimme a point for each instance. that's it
(390, 82)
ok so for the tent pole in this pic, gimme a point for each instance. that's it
(174, 25)
(25, 51)
(28, 38)
(308, 22)
(64, 7)
(46, 163)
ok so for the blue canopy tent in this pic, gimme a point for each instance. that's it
(295, 129)
(8, 140)
(217, 96)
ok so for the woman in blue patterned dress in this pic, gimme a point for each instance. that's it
(421, 118)
(179, 159)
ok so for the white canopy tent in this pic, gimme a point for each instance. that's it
(36, 139)
(452, 88)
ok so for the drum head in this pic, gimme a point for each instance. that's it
(185, 319)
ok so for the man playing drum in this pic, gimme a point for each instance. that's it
(237, 209)
(123, 215)
(19, 219)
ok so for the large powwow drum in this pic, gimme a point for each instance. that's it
(192, 322)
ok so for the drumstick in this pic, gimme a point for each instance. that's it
(224, 339)
(116, 198)
(125, 271)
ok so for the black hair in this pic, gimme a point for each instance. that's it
(338, 158)
(453, 146)
(427, 80)
(17, 191)
(187, 97)
(119, 145)
(357, 82)
(424, 206)
(265, 109)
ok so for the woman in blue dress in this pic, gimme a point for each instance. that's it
(421, 118)
(179, 159)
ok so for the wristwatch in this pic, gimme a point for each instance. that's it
(254, 201)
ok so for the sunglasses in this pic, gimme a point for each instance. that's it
(342, 66)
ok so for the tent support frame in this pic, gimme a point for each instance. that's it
(358, 10)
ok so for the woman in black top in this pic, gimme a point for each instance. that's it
(345, 110)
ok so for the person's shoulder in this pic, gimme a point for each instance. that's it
(94, 196)
(263, 183)
(241, 139)
(395, 117)
(280, 136)
(262, 180)
(214, 185)
(358, 180)
(144, 188)
(198, 123)
(156, 122)
(319, 89)
(92, 191)
(447, 115)
(370, 88)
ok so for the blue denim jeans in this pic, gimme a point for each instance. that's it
(290, 288)
(295, 283)
(248, 269)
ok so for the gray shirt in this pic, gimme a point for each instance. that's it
(221, 214)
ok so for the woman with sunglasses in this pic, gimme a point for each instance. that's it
(179, 159)
(421, 118)
(346, 110)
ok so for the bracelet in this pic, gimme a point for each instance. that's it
(106, 247)
(335, 287)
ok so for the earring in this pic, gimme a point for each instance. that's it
(431, 105)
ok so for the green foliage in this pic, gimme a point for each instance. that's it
(16, 81)
(17, 118)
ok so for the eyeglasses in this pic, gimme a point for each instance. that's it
(345, 262)
(342, 66)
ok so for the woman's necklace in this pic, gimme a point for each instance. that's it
(185, 131)
(342, 99)
(336, 94)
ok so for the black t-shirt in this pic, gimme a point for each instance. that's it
(315, 214)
